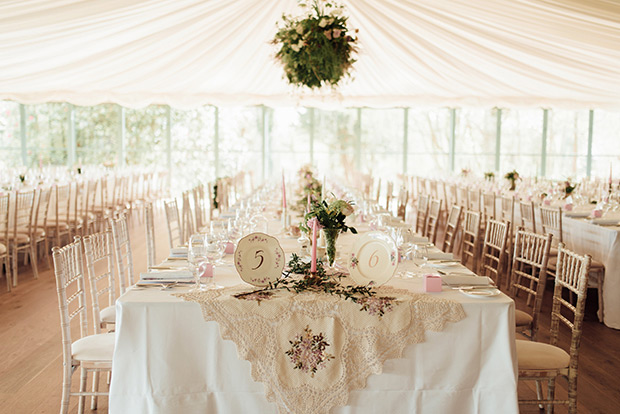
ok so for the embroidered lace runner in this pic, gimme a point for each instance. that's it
(311, 349)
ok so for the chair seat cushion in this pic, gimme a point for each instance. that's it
(98, 347)
(2, 249)
(20, 237)
(596, 265)
(108, 314)
(38, 232)
(540, 356)
(523, 318)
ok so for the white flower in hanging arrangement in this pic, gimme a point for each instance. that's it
(317, 49)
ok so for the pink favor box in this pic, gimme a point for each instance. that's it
(432, 283)
(230, 248)
(568, 207)
(206, 270)
(597, 213)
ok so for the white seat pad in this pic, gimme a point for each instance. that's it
(98, 347)
(108, 314)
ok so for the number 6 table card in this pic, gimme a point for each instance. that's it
(374, 259)
(259, 259)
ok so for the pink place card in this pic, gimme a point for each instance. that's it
(547, 202)
(230, 248)
(597, 213)
(568, 207)
(432, 283)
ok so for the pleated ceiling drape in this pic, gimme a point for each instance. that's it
(550, 53)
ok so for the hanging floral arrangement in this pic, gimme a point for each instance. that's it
(317, 48)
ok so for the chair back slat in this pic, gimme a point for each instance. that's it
(528, 218)
(150, 234)
(488, 205)
(99, 252)
(551, 222)
(422, 213)
(469, 242)
(122, 246)
(492, 257)
(432, 221)
(452, 226)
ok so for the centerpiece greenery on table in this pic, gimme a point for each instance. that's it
(568, 188)
(512, 176)
(330, 217)
(310, 188)
(317, 48)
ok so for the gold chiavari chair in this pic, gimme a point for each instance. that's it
(4, 238)
(175, 228)
(124, 257)
(469, 242)
(149, 221)
(540, 361)
(529, 274)
(99, 252)
(432, 222)
(422, 213)
(452, 226)
(528, 217)
(492, 256)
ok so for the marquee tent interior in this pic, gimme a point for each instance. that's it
(156, 125)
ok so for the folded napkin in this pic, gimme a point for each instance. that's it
(606, 221)
(473, 280)
(419, 239)
(440, 256)
(178, 252)
(167, 274)
(577, 214)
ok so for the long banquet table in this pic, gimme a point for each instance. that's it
(169, 360)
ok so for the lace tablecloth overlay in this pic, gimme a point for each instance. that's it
(310, 349)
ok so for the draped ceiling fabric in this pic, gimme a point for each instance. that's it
(550, 53)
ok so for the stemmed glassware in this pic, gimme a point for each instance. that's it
(197, 257)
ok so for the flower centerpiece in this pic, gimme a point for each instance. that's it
(317, 48)
(512, 176)
(310, 188)
(330, 218)
(568, 188)
(489, 175)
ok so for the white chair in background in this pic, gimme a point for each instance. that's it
(99, 252)
(469, 241)
(432, 221)
(452, 227)
(124, 258)
(175, 228)
(89, 353)
(20, 235)
(149, 220)
(4, 238)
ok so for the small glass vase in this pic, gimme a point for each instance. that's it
(331, 237)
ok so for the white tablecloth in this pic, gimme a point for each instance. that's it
(169, 360)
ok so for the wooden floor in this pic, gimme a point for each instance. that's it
(31, 360)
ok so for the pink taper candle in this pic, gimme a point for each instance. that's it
(283, 192)
(313, 262)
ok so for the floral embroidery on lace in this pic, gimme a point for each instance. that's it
(376, 305)
(308, 352)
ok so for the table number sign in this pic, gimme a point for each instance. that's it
(259, 259)
(374, 259)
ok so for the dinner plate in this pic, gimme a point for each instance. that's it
(374, 259)
(480, 292)
(259, 259)
(442, 264)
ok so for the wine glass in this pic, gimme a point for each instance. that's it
(420, 253)
(213, 247)
(196, 256)
(406, 237)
